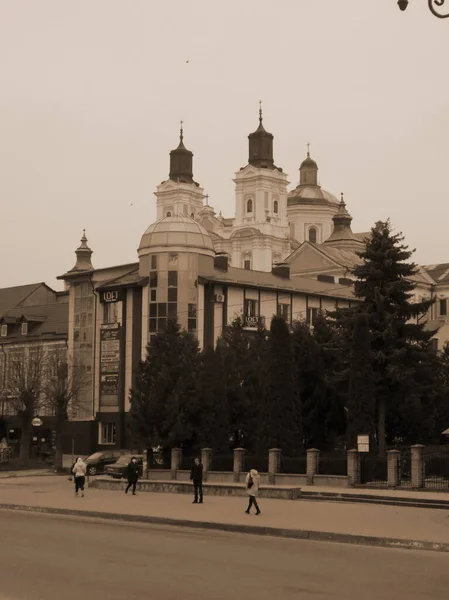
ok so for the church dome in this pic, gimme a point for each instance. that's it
(179, 233)
(308, 163)
(311, 194)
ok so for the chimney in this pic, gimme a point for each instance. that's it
(281, 270)
(221, 261)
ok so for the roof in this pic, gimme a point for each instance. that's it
(176, 231)
(14, 296)
(311, 194)
(130, 279)
(438, 272)
(49, 321)
(262, 279)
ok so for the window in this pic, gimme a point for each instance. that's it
(312, 314)
(186, 210)
(192, 216)
(172, 294)
(24, 328)
(247, 264)
(284, 312)
(153, 279)
(443, 307)
(249, 206)
(153, 295)
(191, 320)
(312, 235)
(275, 207)
(4, 330)
(107, 433)
(154, 262)
(168, 214)
(251, 313)
(110, 312)
(173, 279)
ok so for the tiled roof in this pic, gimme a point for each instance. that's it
(127, 279)
(12, 296)
(53, 321)
(262, 279)
(438, 272)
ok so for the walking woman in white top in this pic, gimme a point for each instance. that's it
(79, 473)
(252, 489)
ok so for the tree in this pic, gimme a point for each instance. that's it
(61, 389)
(25, 371)
(361, 396)
(318, 428)
(399, 338)
(280, 425)
(165, 404)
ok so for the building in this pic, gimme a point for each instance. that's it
(286, 253)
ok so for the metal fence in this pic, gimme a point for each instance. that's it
(159, 460)
(405, 468)
(296, 465)
(373, 469)
(333, 464)
(222, 462)
(260, 463)
(436, 470)
(187, 462)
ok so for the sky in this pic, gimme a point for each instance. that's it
(92, 93)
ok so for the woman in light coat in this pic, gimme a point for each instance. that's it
(252, 489)
(79, 474)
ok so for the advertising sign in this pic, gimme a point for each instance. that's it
(109, 363)
(363, 443)
(110, 296)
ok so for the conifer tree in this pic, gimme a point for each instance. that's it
(280, 407)
(399, 338)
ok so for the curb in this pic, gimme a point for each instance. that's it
(299, 534)
(370, 499)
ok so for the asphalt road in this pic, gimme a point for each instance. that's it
(46, 557)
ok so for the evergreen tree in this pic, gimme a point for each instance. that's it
(399, 339)
(166, 401)
(361, 396)
(312, 388)
(280, 406)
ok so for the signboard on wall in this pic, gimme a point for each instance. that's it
(110, 296)
(110, 342)
(363, 443)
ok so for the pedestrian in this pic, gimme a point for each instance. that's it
(79, 473)
(133, 475)
(252, 489)
(196, 476)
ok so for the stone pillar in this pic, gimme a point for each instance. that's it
(274, 464)
(176, 459)
(417, 466)
(206, 459)
(239, 459)
(393, 458)
(313, 464)
(354, 475)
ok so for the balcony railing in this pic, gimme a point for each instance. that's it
(253, 322)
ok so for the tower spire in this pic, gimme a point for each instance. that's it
(83, 256)
(261, 146)
(181, 161)
(260, 112)
(181, 132)
(308, 149)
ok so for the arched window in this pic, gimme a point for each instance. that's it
(247, 260)
(192, 215)
(168, 214)
(312, 235)
(275, 207)
(249, 206)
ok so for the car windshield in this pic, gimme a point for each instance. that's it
(123, 460)
(95, 456)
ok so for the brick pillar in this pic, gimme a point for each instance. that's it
(239, 459)
(206, 459)
(353, 468)
(313, 464)
(274, 464)
(176, 459)
(393, 459)
(417, 466)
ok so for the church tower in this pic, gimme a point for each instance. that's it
(179, 194)
(260, 231)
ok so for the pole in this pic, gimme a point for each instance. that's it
(73, 450)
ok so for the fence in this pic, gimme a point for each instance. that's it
(373, 470)
(294, 465)
(222, 462)
(333, 464)
(159, 460)
(405, 468)
(436, 470)
(260, 463)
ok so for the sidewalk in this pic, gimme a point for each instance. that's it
(380, 525)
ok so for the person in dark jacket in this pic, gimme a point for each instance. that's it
(196, 476)
(133, 475)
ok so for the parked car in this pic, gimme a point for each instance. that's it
(97, 462)
(119, 468)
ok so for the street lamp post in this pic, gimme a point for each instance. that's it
(434, 7)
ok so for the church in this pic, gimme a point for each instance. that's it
(285, 252)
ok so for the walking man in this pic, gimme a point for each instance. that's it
(133, 475)
(196, 476)
(79, 473)
(252, 489)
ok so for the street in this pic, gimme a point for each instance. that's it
(46, 557)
